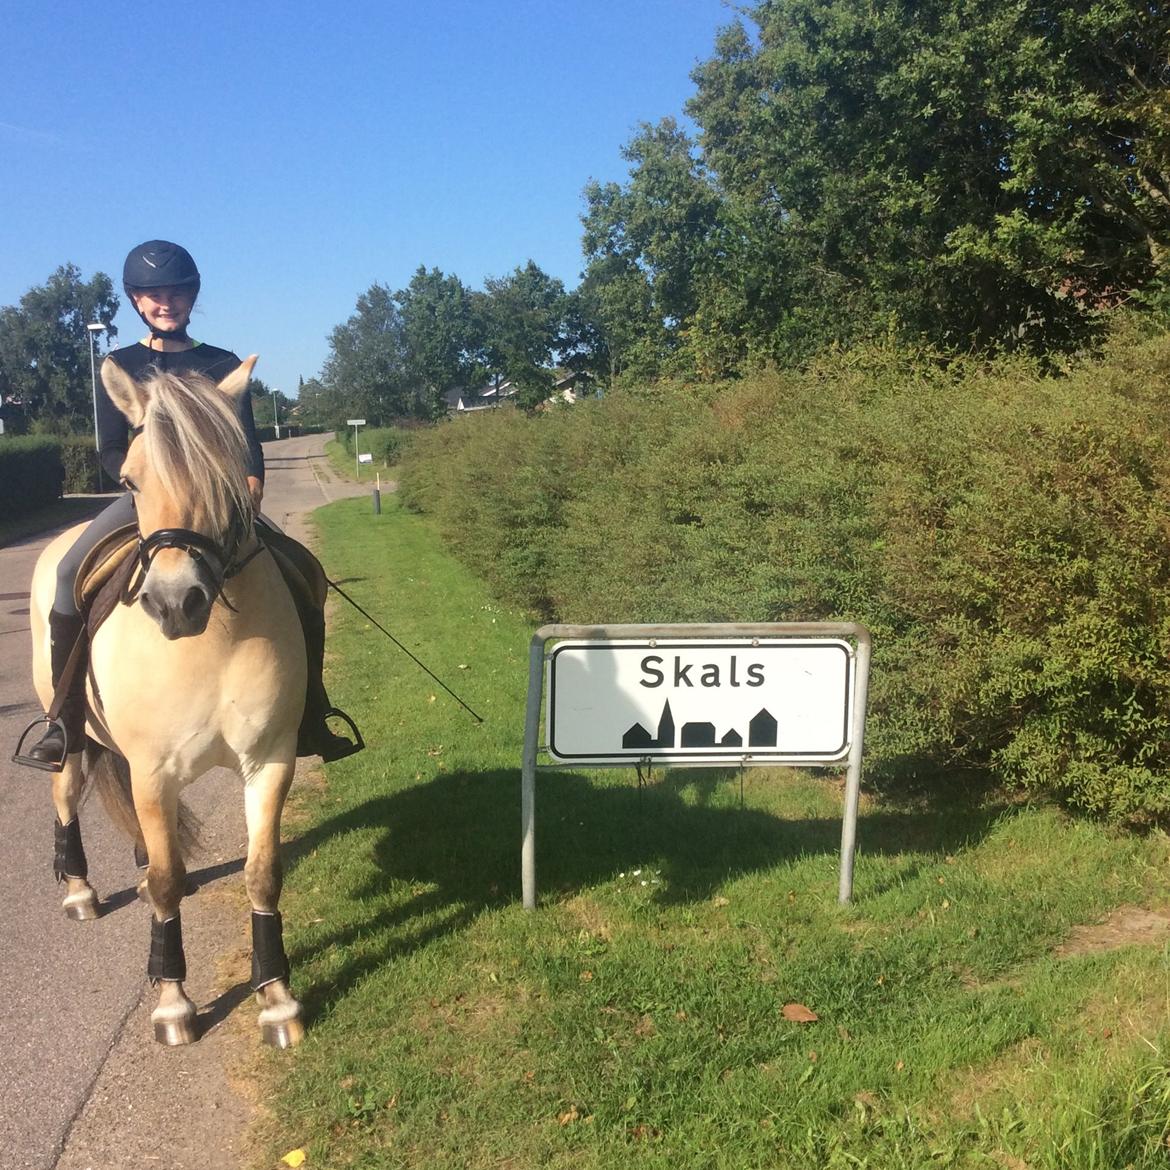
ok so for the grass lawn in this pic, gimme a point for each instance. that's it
(688, 994)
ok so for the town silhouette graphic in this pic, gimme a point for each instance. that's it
(762, 730)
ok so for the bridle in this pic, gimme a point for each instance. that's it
(221, 561)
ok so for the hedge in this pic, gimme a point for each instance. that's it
(1004, 534)
(386, 444)
(31, 473)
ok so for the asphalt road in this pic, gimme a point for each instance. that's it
(84, 1086)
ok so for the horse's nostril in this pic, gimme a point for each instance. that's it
(194, 603)
(149, 605)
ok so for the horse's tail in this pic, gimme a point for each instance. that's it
(109, 774)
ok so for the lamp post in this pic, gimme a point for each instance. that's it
(275, 414)
(95, 327)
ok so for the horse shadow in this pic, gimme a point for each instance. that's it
(458, 838)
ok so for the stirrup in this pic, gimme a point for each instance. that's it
(339, 751)
(18, 757)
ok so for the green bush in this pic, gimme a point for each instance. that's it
(386, 444)
(1002, 533)
(31, 473)
(79, 459)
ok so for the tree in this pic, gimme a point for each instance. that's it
(648, 248)
(45, 351)
(269, 406)
(366, 371)
(978, 174)
(522, 318)
(441, 338)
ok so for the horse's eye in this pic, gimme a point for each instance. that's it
(129, 484)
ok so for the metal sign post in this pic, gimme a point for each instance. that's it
(357, 463)
(693, 695)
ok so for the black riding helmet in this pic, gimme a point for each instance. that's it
(159, 264)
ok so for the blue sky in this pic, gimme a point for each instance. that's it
(303, 153)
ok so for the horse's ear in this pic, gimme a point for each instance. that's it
(127, 395)
(237, 381)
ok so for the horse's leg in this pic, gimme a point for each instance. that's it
(166, 875)
(69, 864)
(280, 1013)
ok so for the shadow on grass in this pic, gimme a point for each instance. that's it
(461, 834)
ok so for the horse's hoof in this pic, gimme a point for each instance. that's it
(286, 1034)
(175, 1027)
(82, 907)
(174, 1033)
(281, 1026)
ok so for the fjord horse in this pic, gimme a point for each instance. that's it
(202, 665)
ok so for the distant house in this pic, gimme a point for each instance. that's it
(570, 387)
(567, 388)
(467, 401)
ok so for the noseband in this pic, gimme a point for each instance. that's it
(221, 561)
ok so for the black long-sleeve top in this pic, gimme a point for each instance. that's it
(139, 361)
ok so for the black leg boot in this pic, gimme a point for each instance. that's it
(315, 737)
(64, 630)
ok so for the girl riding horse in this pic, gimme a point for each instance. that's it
(162, 282)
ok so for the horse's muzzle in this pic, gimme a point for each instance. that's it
(181, 609)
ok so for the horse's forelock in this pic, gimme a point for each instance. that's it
(196, 446)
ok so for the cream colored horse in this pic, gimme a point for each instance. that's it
(205, 669)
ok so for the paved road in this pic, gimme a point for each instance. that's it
(83, 1086)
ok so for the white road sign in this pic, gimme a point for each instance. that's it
(355, 422)
(783, 700)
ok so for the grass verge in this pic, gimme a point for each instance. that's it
(997, 995)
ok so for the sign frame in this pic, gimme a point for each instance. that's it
(663, 657)
(854, 636)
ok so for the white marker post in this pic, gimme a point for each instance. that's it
(357, 463)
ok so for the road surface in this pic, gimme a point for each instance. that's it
(84, 1086)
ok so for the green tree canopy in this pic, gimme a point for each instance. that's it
(649, 248)
(45, 351)
(440, 335)
(522, 325)
(366, 371)
(977, 173)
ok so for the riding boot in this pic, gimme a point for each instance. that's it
(64, 630)
(315, 738)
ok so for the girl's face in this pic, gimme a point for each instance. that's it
(167, 309)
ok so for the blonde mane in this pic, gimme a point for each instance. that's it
(198, 449)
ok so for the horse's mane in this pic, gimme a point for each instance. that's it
(197, 447)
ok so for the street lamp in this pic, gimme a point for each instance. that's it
(95, 327)
(275, 414)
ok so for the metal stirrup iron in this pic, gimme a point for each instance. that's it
(52, 717)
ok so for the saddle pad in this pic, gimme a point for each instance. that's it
(101, 562)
